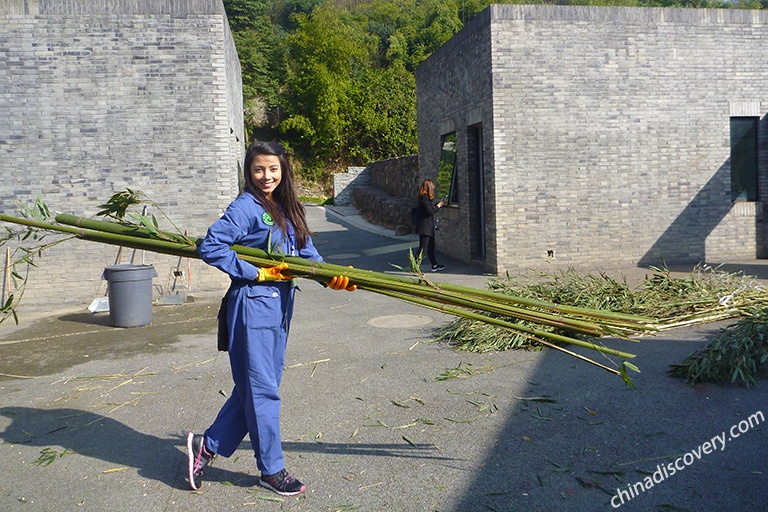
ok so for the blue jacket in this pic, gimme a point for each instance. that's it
(247, 223)
(254, 320)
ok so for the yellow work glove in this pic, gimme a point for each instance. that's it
(273, 273)
(341, 283)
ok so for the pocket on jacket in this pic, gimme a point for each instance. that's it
(262, 306)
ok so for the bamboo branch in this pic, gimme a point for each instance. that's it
(480, 305)
(617, 320)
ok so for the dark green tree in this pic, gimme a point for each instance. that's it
(410, 30)
(261, 50)
(328, 52)
(383, 124)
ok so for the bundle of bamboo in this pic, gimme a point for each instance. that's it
(560, 324)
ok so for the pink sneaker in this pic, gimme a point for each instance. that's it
(282, 483)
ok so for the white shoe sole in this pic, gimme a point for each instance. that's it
(191, 462)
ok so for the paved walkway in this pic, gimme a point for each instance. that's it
(375, 416)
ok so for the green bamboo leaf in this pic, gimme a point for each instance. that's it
(560, 468)
(454, 420)
(625, 376)
(40, 211)
(631, 366)
(537, 399)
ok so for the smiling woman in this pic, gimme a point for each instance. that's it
(266, 174)
(255, 315)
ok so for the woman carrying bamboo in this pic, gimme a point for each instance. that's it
(259, 307)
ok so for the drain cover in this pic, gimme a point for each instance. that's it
(341, 256)
(400, 321)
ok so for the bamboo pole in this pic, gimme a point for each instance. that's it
(7, 276)
(470, 297)
(508, 325)
(631, 322)
(455, 300)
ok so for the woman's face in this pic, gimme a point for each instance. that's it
(266, 173)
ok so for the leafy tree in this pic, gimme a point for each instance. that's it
(283, 11)
(245, 14)
(260, 50)
(328, 51)
(383, 123)
(410, 30)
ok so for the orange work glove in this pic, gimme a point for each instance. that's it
(341, 283)
(273, 273)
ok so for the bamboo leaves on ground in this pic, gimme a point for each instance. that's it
(738, 353)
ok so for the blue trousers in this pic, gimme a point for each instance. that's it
(258, 318)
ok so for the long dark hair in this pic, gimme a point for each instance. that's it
(286, 204)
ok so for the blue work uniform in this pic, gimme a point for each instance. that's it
(258, 319)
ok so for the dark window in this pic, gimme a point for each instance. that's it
(744, 158)
(446, 170)
(476, 195)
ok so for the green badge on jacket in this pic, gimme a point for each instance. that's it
(267, 219)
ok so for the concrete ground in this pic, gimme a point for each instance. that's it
(376, 417)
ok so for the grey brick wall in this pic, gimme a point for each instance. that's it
(454, 91)
(100, 96)
(606, 133)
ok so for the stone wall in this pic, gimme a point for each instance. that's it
(398, 177)
(99, 96)
(383, 193)
(605, 133)
(344, 184)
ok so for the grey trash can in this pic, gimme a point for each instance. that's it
(130, 294)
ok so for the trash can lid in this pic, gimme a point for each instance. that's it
(129, 272)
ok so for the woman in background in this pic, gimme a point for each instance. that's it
(425, 225)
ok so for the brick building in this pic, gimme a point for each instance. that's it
(599, 136)
(102, 95)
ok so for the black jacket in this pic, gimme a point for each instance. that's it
(427, 211)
